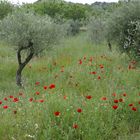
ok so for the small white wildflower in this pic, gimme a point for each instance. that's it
(29, 136)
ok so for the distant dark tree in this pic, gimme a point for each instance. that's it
(5, 8)
(64, 9)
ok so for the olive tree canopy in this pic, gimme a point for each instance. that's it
(124, 29)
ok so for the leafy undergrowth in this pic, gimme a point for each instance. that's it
(78, 91)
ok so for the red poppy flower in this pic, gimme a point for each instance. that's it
(65, 97)
(124, 94)
(134, 108)
(11, 96)
(15, 100)
(131, 104)
(114, 94)
(5, 107)
(101, 66)
(0, 102)
(88, 96)
(93, 72)
(37, 83)
(45, 87)
(139, 102)
(79, 110)
(103, 98)
(41, 101)
(75, 126)
(31, 99)
(116, 101)
(37, 93)
(99, 77)
(5, 99)
(80, 61)
(120, 100)
(114, 107)
(52, 86)
(57, 113)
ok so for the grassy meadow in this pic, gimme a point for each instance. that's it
(76, 91)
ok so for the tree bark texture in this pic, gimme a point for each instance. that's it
(21, 64)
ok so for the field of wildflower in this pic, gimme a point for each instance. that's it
(77, 91)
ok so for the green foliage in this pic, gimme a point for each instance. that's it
(97, 26)
(71, 13)
(5, 8)
(73, 27)
(96, 30)
(98, 9)
(24, 26)
(124, 28)
(63, 9)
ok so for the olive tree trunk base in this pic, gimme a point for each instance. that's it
(23, 64)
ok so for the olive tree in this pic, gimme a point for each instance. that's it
(30, 33)
(124, 29)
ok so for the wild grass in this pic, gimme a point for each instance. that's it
(75, 89)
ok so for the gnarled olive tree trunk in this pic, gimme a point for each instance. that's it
(109, 45)
(21, 64)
